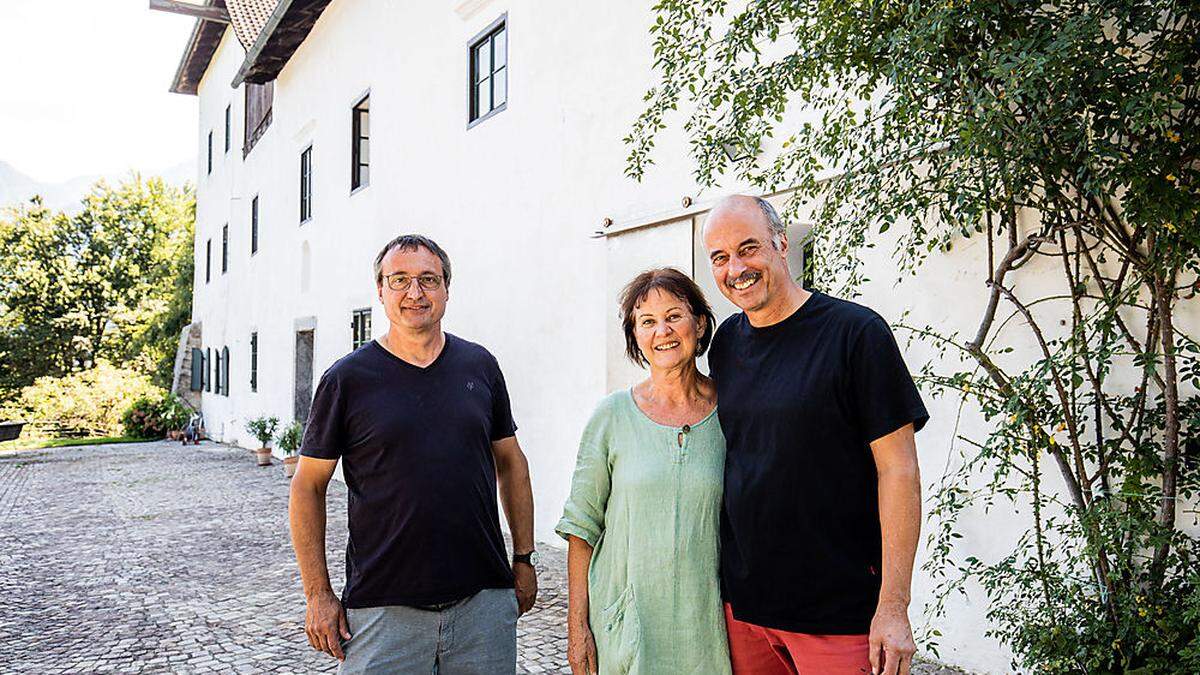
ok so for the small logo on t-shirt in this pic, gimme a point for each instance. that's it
(471, 385)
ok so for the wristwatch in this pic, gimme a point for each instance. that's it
(530, 558)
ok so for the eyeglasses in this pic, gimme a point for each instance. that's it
(402, 282)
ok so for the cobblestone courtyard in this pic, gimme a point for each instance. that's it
(150, 557)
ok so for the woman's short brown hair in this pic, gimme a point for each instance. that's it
(667, 280)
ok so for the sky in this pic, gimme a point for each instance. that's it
(84, 88)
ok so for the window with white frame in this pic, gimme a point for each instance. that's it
(488, 67)
(360, 144)
(360, 328)
(306, 184)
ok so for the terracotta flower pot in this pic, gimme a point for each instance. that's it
(264, 456)
(289, 465)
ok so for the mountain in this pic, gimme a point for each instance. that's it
(17, 187)
(14, 185)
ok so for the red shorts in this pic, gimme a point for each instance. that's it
(755, 650)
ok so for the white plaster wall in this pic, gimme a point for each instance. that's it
(514, 201)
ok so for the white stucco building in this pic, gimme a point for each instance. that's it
(495, 127)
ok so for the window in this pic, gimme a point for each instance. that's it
(208, 261)
(258, 113)
(254, 225)
(360, 151)
(210, 152)
(360, 328)
(488, 68)
(224, 366)
(228, 127)
(254, 362)
(225, 248)
(208, 369)
(306, 184)
(218, 373)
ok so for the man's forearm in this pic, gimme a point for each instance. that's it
(900, 523)
(306, 513)
(516, 495)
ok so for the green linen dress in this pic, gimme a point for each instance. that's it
(651, 510)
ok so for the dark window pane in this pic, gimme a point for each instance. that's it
(254, 225)
(254, 362)
(483, 60)
(483, 98)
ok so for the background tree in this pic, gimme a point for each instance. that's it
(38, 320)
(108, 282)
(1062, 131)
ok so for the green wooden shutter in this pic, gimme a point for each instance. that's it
(197, 369)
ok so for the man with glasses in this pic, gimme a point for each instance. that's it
(422, 424)
(822, 503)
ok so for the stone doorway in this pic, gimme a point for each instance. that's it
(304, 374)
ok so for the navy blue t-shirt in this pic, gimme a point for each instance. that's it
(799, 403)
(416, 451)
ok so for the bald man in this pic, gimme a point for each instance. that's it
(822, 501)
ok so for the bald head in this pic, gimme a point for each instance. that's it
(745, 207)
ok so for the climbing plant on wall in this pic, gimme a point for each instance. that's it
(1061, 132)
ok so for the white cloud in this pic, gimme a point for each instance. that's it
(83, 88)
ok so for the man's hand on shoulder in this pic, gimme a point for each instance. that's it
(526, 586)
(891, 639)
(325, 623)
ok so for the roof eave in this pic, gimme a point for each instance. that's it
(190, 70)
(264, 36)
(283, 33)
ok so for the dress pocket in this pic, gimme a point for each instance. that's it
(623, 631)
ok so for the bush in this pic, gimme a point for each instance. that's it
(90, 402)
(152, 416)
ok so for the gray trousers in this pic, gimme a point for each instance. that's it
(476, 636)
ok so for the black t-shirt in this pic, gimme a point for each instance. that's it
(415, 445)
(799, 403)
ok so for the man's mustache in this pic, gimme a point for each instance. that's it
(745, 276)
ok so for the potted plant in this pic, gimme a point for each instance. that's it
(175, 414)
(263, 428)
(289, 442)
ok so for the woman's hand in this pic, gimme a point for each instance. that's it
(581, 650)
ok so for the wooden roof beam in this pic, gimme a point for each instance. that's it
(207, 13)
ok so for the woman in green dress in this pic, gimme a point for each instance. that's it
(643, 517)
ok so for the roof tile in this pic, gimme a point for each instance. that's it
(249, 17)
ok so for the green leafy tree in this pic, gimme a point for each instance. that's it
(1062, 131)
(111, 281)
(38, 320)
